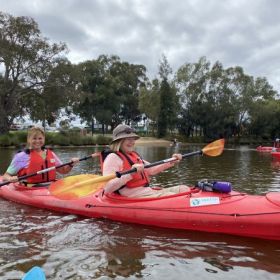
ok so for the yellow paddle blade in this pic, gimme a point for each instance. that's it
(74, 187)
(214, 148)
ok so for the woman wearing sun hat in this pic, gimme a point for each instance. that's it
(123, 157)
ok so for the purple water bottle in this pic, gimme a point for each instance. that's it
(223, 187)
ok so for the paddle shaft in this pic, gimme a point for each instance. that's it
(132, 170)
(86, 187)
(44, 170)
(119, 174)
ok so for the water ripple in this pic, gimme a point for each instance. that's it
(71, 247)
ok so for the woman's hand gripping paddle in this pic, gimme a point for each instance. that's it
(74, 187)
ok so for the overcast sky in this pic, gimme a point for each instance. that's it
(235, 32)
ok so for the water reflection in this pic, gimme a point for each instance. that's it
(70, 247)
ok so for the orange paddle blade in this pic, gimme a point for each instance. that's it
(74, 187)
(214, 148)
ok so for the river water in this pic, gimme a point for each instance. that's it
(71, 247)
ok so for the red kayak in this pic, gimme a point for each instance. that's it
(267, 149)
(232, 213)
(276, 155)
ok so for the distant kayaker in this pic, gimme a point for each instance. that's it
(174, 143)
(123, 157)
(277, 143)
(36, 157)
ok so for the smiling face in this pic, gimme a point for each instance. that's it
(36, 140)
(127, 144)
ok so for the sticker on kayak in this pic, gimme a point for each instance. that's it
(204, 201)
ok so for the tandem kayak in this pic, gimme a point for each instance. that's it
(199, 210)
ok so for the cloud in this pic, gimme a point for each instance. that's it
(235, 32)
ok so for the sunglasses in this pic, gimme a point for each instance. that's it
(126, 131)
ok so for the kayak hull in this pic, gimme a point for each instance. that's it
(267, 149)
(276, 155)
(234, 213)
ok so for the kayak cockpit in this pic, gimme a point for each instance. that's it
(117, 197)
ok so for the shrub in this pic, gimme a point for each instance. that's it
(103, 140)
(64, 132)
(61, 140)
(15, 140)
(22, 136)
(196, 139)
(88, 140)
(50, 138)
(76, 139)
(5, 140)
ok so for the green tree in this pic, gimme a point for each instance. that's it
(129, 78)
(97, 101)
(27, 59)
(217, 101)
(59, 92)
(264, 119)
(111, 90)
(168, 101)
(149, 102)
(245, 91)
(191, 81)
(164, 109)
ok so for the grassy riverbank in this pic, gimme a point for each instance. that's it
(71, 138)
(63, 138)
(76, 138)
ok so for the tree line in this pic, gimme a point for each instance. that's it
(198, 99)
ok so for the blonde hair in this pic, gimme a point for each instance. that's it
(116, 145)
(35, 130)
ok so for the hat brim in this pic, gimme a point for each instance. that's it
(123, 136)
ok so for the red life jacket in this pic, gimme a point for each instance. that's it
(139, 179)
(37, 163)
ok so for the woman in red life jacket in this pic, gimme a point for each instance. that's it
(123, 157)
(36, 158)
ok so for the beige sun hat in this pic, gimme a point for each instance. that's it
(124, 131)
